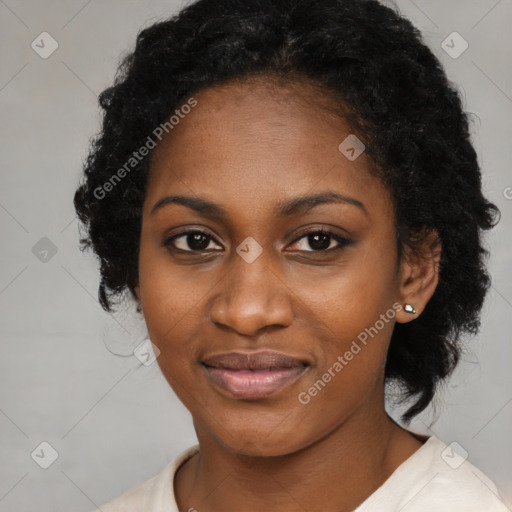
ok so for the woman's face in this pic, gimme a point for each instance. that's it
(255, 281)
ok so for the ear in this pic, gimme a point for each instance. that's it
(418, 275)
(137, 292)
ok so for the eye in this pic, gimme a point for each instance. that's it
(195, 239)
(322, 241)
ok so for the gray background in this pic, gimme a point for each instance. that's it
(68, 376)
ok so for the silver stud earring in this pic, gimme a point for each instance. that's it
(409, 309)
(139, 308)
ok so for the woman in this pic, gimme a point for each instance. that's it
(288, 190)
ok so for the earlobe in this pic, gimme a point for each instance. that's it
(409, 308)
(418, 277)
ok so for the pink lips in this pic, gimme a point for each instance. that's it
(253, 375)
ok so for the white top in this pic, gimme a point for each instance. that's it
(434, 478)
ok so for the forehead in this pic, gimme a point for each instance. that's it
(260, 142)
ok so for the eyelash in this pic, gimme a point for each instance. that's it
(343, 242)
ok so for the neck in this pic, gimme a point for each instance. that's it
(336, 473)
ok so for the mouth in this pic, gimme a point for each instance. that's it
(253, 375)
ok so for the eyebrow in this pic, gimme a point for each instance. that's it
(286, 208)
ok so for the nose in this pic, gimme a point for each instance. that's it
(251, 297)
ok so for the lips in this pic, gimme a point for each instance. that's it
(264, 360)
(253, 375)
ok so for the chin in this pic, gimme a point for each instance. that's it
(262, 439)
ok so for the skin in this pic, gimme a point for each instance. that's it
(248, 147)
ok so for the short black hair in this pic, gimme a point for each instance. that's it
(396, 98)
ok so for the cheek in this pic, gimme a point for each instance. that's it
(169, 292)
(171, 299)
(354, 319)
(345, 300)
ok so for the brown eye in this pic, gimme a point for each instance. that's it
(321, 241)
(190, 241)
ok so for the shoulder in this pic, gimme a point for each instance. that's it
(438, 478)
(460, 484)
(155, 494)
(131, 500)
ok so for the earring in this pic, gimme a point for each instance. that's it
(409, 309)
(139, 308)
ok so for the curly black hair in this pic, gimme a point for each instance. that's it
(397, 99)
